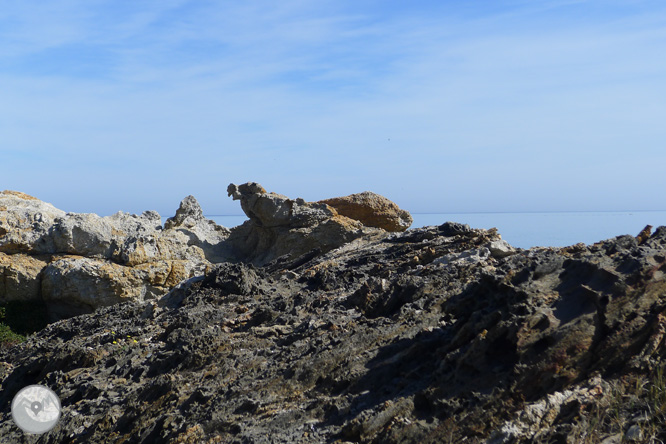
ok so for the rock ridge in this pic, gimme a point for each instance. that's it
(76, 263)
(436, 334)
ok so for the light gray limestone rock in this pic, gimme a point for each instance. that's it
(198, 230)
(281, 227)
(79, 262)
(25, 223)
(501, 248)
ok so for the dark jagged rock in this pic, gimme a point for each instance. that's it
(380, 340)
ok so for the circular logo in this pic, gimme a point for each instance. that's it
(36, 409)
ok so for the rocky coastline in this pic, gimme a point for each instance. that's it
(330, 322)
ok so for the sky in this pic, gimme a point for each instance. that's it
(441, 106)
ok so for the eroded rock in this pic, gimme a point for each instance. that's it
(25, 224)
(372, 210)
(77, 263)
(375, 341)
(200, 231)
(20, 277)
(279, 226)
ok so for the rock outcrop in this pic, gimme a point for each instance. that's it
(437, 334)
(372, 210)
(25, 223)
(280, 227)
(77, 263)
(20, 276)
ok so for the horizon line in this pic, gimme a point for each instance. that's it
(491, 212)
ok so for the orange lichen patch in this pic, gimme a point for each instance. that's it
(177, 273)
(19, 195)
(141, 254)
(22, 262)
(116, 232)
(156, 273)
(19, 276)
(346, 222)
(192, 435)
(372, 210)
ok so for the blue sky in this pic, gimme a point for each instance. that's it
(442, 106)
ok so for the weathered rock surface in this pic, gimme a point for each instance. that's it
(372, 210)
(76, 263)
(200, 231)
(79, 262)
(25, 222)
(20, 276)
(280, 227)
(378, 341)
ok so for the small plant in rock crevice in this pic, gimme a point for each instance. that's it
(633, 401)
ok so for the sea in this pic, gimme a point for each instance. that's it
(526, 230)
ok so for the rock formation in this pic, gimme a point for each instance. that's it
(25, 223)
(76, 263)
(372, 210)
(436, 334)
(280, 227)
(306, 326)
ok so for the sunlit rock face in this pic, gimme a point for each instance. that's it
(280, 227)
(372, 210)
(76, 263)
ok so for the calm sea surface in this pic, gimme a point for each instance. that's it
(525, 230)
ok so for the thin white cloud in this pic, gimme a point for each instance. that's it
(289, 94)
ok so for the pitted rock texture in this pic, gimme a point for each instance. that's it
(378, 341)
(372, 210)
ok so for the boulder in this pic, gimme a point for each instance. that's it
(20, 277)
(79, 262)
(282, 227)
(501, 248)
(372, 210)
(103, 237)
(73, 285)
(271, 210)
(25, 223)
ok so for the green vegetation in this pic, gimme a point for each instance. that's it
(7, 336)
(20, 319)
